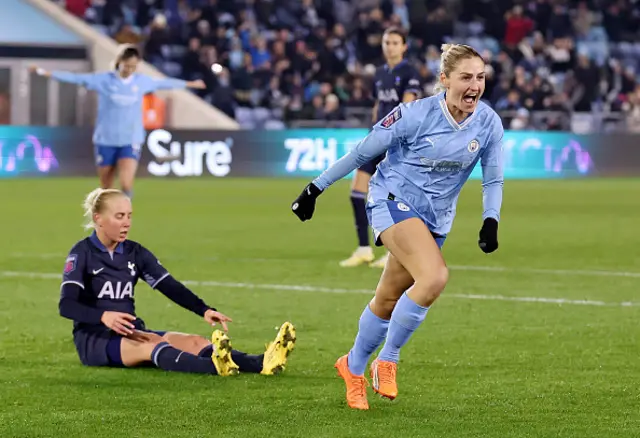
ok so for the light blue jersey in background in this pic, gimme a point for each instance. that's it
(119, 121)
(429, 158)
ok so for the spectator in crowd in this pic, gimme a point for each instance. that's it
(295, 58)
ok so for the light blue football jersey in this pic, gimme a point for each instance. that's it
(119, 121)
(429, 157)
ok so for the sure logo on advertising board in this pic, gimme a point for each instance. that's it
(48, 151)
(194, 156)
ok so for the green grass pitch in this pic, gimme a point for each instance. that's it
(539, 339)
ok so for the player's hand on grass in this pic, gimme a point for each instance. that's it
(213, 317)
(119, 322)
(305, 204)
(488, 241)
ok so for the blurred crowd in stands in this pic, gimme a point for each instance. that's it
(554, 65)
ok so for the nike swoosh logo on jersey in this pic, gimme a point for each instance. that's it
(97, 271)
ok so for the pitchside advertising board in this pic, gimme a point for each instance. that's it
(41, 152)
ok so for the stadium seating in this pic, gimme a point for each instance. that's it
(310, 43)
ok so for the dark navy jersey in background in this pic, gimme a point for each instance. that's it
(108, 280)
(390, 84)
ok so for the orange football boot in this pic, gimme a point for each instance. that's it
(383, 376)
(356, 385)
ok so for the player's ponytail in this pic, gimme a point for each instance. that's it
(451, 55)
(95, 202)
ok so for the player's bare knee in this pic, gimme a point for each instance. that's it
(429, 286)
(198, 342)
(153, 339)
(383, 306)
(189, 343)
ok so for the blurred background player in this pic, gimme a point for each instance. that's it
(432, 147)
(394, 82)
(97, 293)
(119, 128)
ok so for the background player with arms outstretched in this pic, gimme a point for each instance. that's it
(394, 82)
(432, 146)
(97, 293)
(119, 128)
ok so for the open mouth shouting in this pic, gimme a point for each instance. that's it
(470, 98)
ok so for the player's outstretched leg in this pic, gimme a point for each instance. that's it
(184, 353)
(143, 347)
(195, 344)
(277, 352)
(411, 243)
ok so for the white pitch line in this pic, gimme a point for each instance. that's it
(574, 272)
(578, 272)
(322, 289)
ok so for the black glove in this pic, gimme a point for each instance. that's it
(488, 241)
(305, 204)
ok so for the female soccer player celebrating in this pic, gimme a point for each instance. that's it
(396, 81)
(432, 146)
(119, 128)
(97, 293)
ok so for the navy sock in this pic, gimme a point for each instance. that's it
(248, 363)
(206, 351)
(358, 202)
(168, 358)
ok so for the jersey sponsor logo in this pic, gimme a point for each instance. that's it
(390, 95)
(118, 292)
(391, 118)
(123, 99)
(443, 165)
(473, 146)
(70, 263)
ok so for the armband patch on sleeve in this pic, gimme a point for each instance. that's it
(392, 118)
(70, 263)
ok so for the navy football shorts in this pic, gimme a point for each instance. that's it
(99, 346)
